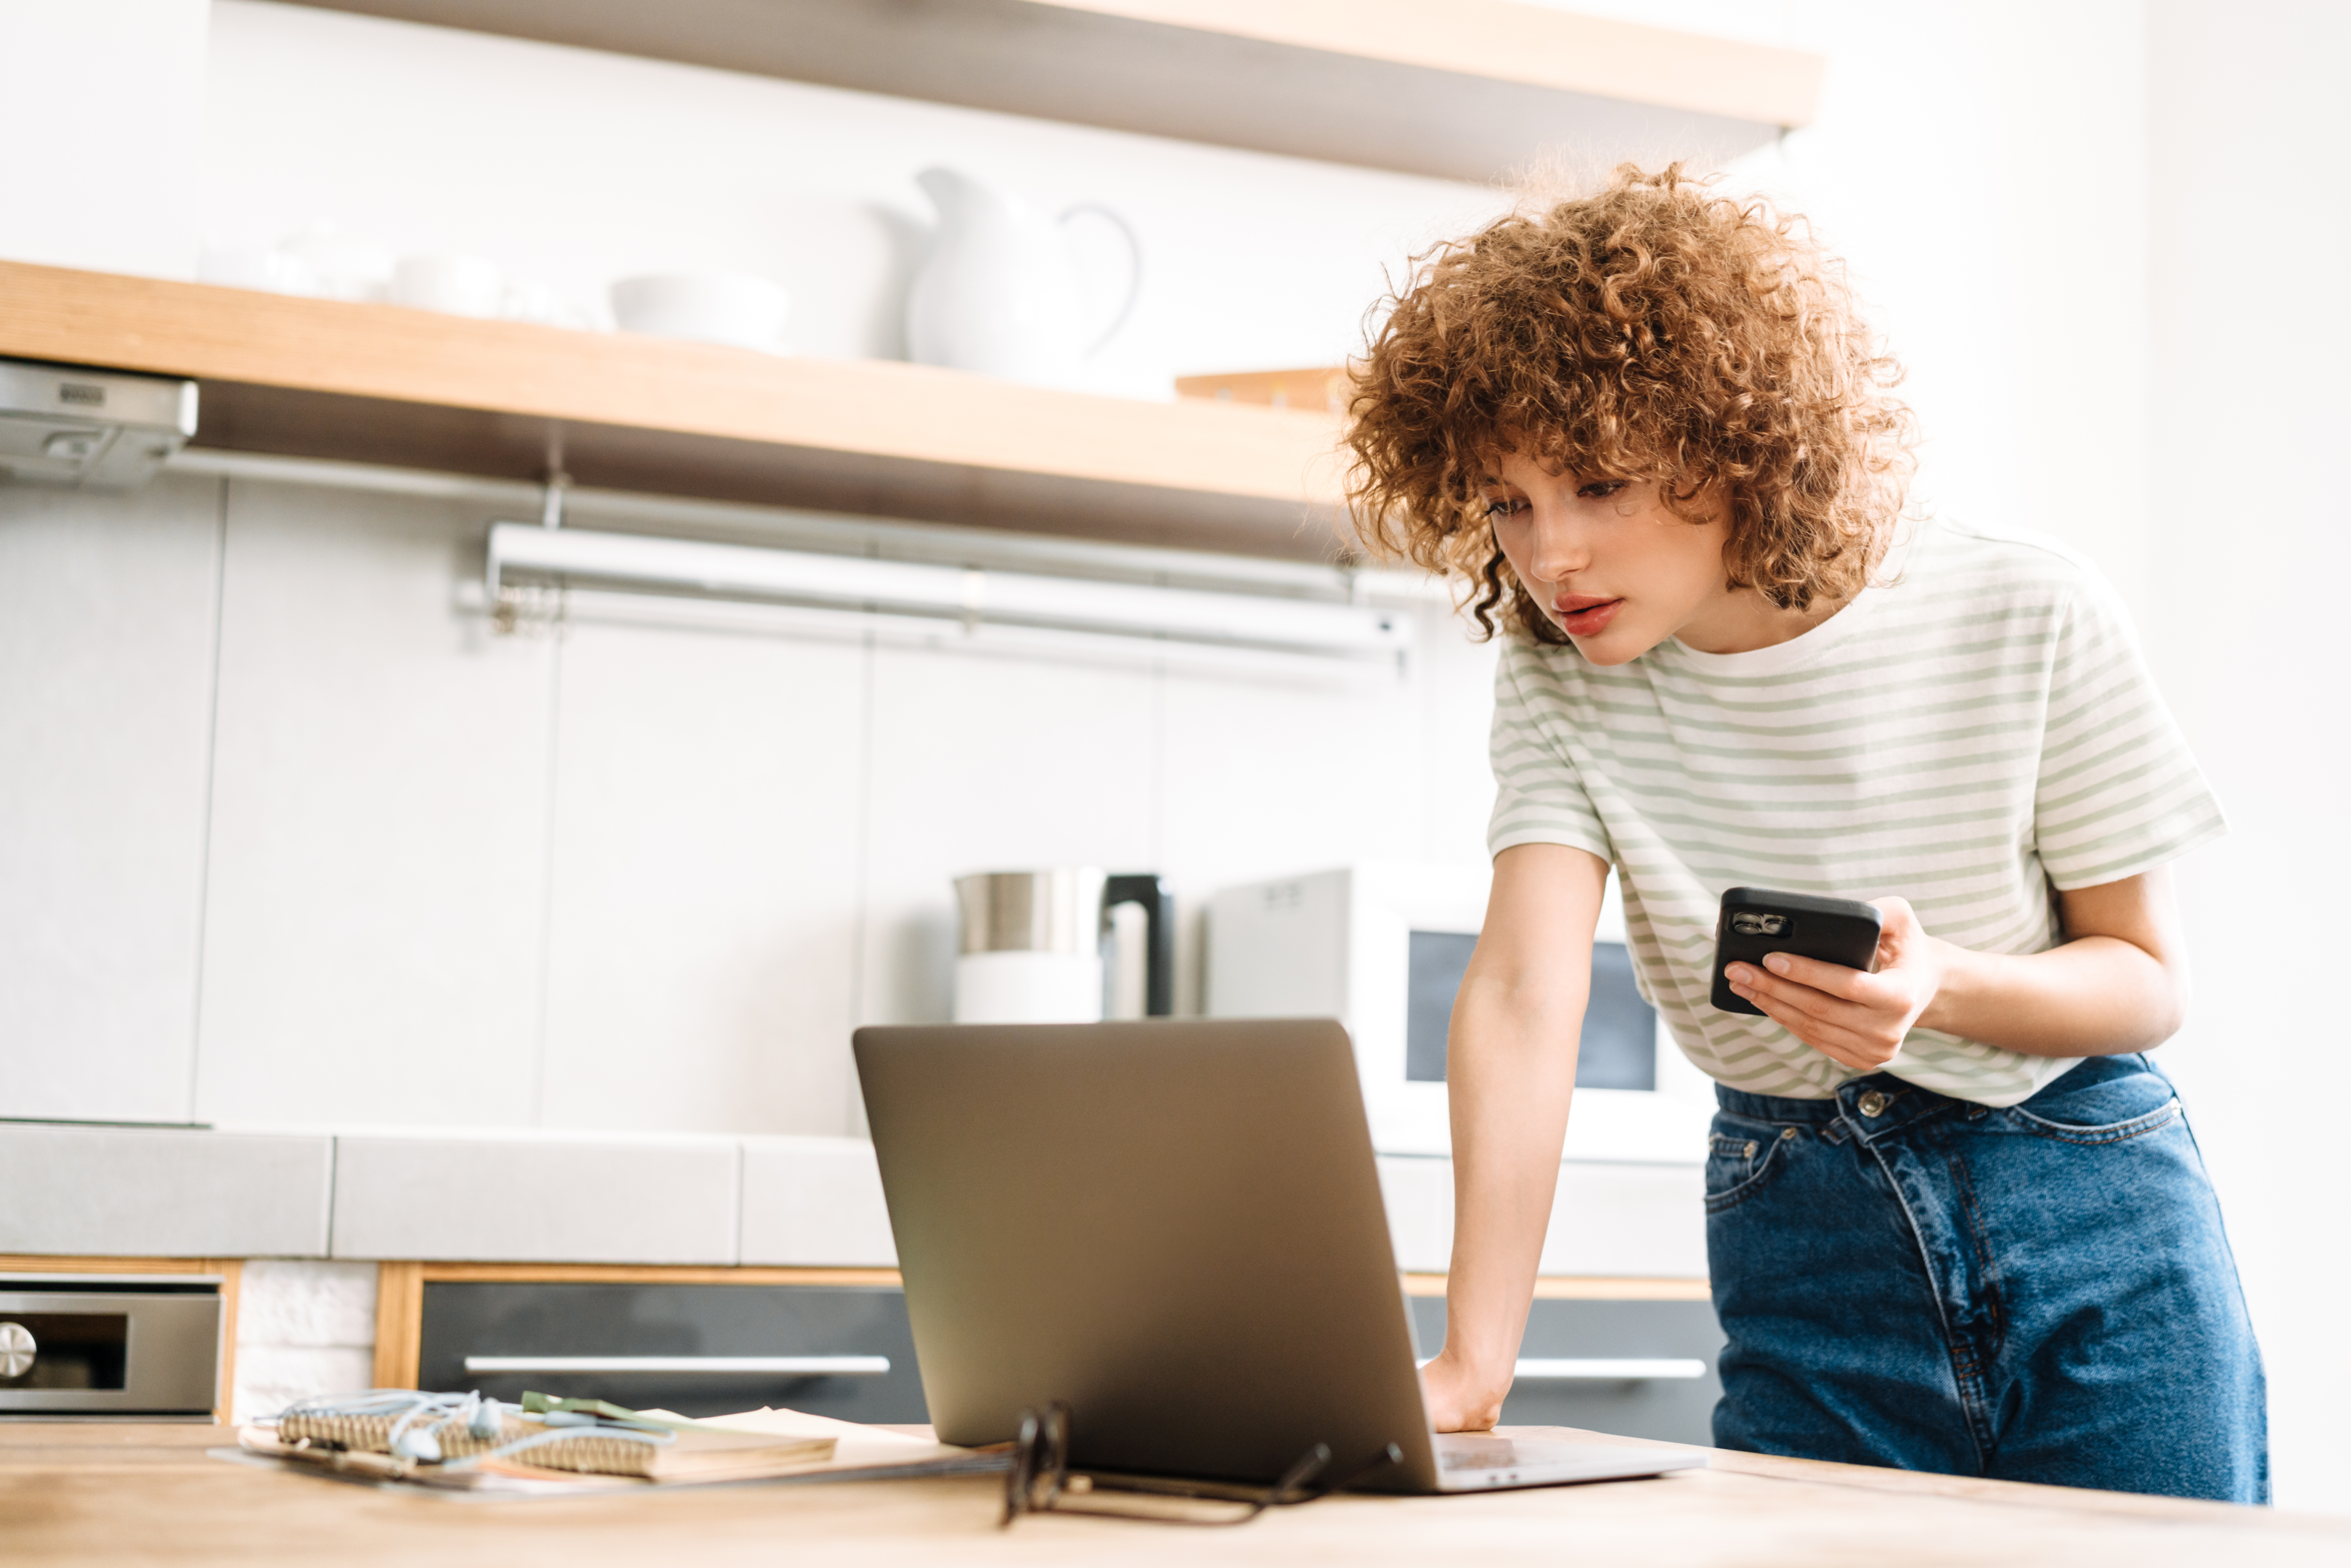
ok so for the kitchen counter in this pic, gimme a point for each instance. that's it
(450, 1196)
(90, 1495)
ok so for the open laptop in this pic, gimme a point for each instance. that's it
(1176, 1228)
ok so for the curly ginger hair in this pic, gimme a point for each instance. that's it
(1653, 331)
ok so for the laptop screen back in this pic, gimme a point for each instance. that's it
(1174, 1226)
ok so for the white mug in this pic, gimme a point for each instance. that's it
(454, 285)
(1028, 988)
(729, 308)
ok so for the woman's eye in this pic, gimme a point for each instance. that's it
(1501, 506)
(1599, 489)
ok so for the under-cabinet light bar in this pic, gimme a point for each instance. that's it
(957, 593)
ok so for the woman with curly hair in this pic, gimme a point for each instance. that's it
(1955, 1220)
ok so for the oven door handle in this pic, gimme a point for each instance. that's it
(692, 1366)
(1620, 1369)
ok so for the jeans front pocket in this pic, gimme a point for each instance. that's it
(2154, 1120)
(2108, 1100)
(1740, 1157)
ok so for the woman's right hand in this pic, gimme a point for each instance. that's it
(1458, 1399)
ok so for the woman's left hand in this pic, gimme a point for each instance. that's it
(1857, 1018)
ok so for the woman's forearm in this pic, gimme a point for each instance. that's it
(1512, 1074)
(2120, 984)
(1510, 1071)
(2095, 996)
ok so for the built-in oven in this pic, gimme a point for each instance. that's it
(110, 1344)
(1382, 948)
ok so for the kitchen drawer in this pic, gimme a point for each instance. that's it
(854, 1326)
(1676, 1409)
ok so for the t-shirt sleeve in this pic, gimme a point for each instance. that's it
(1539, 799)
(2118, 791)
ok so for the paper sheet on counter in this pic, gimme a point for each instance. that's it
(856, 1448)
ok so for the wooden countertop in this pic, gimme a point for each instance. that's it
(91, 1495)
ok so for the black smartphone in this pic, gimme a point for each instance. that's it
(1756, 920)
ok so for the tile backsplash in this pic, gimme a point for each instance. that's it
(290, 835)
(303, 1328)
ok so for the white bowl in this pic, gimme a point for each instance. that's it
(274, 271)
(454, 285)
(729, 308)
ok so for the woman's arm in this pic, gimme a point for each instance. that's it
(2118, 982)
(1510, 1070)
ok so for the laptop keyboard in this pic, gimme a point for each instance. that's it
(1488, 1455)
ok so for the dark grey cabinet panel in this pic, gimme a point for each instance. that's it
(569, 1319)
(469, 1318)
(1678, 1410)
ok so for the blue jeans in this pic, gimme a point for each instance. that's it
(2040, 1293)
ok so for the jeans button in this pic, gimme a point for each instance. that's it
(1787, 1133)
(1871, 1102)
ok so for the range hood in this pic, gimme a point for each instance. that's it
(99, 430)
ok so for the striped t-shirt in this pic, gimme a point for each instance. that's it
(1967, 737)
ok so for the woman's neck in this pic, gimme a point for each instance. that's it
(1741, 620)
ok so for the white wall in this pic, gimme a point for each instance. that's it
(101, 99)
(2249, 548)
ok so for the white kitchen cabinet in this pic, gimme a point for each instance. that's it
(702, 894)
(1610, 1219)
(107, 629)
(372, 919)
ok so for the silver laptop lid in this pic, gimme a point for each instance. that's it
(1175, 1227)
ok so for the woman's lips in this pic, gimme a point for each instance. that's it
(1585, 614)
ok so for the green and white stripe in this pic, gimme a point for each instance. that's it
(1967, 737)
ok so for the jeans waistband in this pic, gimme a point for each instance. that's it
(1900, 1102)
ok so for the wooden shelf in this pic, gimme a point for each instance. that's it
(377, 384)
(1464, 89)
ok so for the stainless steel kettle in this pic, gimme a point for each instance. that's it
(1031, 944)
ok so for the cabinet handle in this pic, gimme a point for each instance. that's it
(1545, 1369)
(773, 1365)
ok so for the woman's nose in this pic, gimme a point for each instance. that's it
(1558, 552)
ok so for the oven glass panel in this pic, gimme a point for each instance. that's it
(1620, 1031)
(64, 1350)
(1438, 959)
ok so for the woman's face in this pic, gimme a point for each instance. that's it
(1610, 565)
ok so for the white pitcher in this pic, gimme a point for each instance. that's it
(998, 292)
